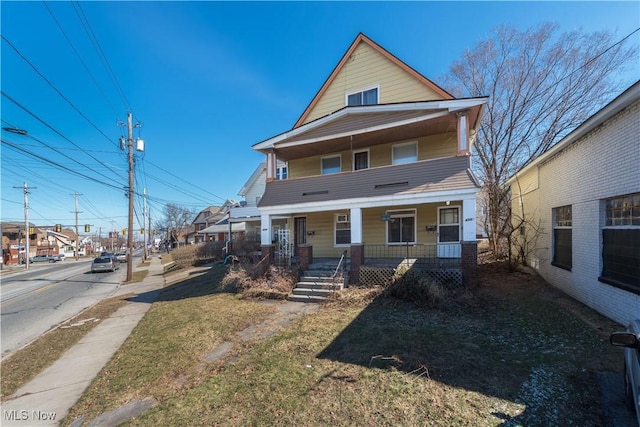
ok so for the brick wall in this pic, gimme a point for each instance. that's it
(602, 164)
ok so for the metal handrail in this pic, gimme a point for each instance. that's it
(335, 273)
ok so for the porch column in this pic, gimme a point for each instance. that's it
(265, 230)
(463, 134)
(266, 245)
(356, 225)
(469, 258)
(469, 220)
(271, 166)
(357, 245)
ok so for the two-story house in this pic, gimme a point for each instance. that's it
(378, 165)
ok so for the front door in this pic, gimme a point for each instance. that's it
(449, 232)
(299, 232)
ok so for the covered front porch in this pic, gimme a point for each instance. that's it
(435, 233)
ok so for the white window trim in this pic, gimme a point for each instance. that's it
(346, 95)
(335, 229)
(330, 157)
(414, 143)
(353, 158)
(414, 214)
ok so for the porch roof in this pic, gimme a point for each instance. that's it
(223, 228)
(364, 126)
(436, 175)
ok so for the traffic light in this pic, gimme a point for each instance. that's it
(58, 228)
(124, 231)
(87, 228)
(142, 231)
(31, 230)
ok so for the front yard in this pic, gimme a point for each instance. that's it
(512, 352)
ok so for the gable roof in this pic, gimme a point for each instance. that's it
(361, 38)
(252, 179)
(630, 96)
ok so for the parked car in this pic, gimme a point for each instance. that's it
(630, 339)
(58, 257)
(121, 256)
(42, 258)
(104, 263)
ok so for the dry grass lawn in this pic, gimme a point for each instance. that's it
(512, 352)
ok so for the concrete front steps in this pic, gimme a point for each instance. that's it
(316, 286)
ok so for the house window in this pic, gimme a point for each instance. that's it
(401, 227)
(361, 160)
(342, 229)
(562, 236)
(331, 165)
(364, 97)
(404, 153)
(621, 242)
(282, 172)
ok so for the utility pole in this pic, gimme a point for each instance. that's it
(130, 157)
(144, 216)
(111, 234)
(77, 235)
(26, 189)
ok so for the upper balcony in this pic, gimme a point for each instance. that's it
(365, 126)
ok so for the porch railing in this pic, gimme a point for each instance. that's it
(437, 254)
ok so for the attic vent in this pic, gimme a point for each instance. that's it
(315, 193)
(392, 184)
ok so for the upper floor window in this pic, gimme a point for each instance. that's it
(331, 165)
(282, 172)
(361, 160)
(404, 153)
(562, 237)
(364, 97)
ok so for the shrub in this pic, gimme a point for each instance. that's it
(190, 255)
(251, 281)
(411, 285)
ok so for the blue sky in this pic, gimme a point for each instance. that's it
(207, 80)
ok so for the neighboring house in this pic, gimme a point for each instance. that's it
(216, 227)
(581, 205)
(378, 165)
(199, 223)
(247, 211)
(42, 241)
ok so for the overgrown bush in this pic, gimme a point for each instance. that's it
(200, 253)
(245, 245)
(410, 285)
(252, 280)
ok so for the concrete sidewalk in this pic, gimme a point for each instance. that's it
(46, 399)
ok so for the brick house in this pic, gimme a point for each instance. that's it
(581, 201)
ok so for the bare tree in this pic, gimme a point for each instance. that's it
(541, 85)
(176, 222)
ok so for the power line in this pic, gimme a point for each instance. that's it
(94, 40)
(113, 109)
(56, 89)
(18, 148)
(53, 129)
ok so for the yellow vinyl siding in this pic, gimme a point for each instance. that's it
(365, 69)
(525, 205)
(429, 147)
(322, 224)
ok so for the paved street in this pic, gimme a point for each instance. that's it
(34, 301)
